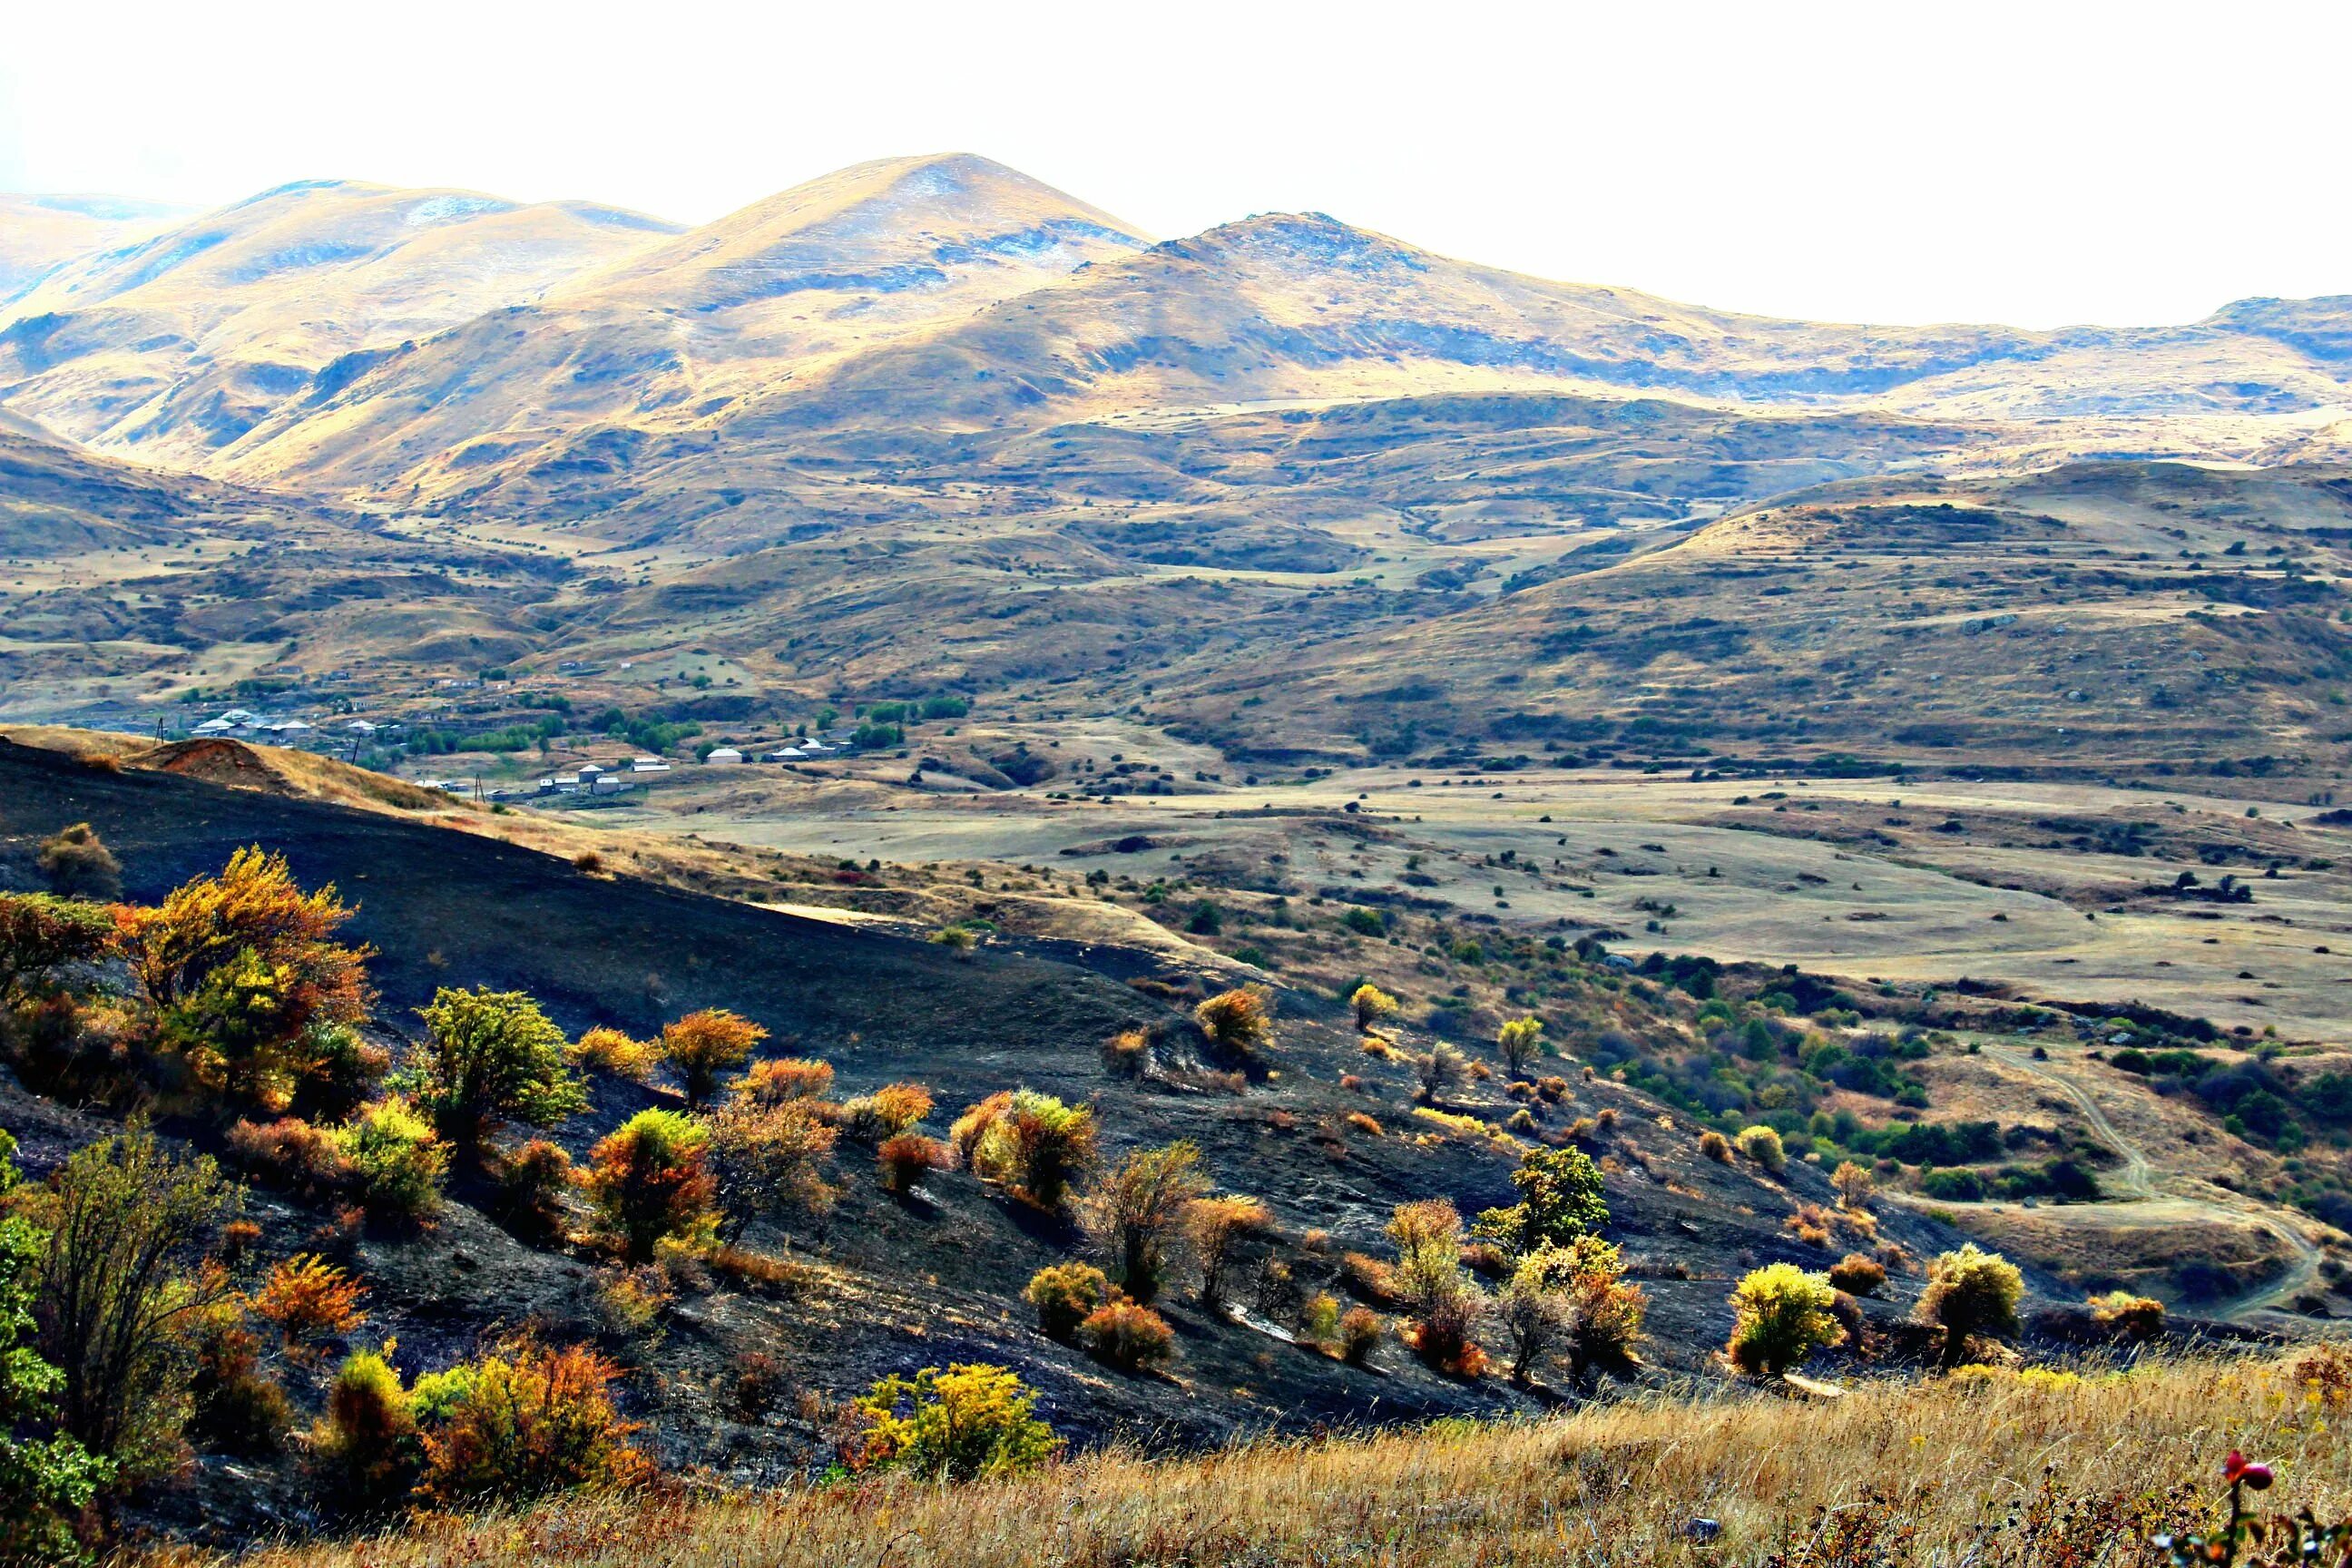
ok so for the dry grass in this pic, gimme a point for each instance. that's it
(2013, 1471)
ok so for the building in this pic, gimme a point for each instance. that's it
(724, 756)
(648, 765)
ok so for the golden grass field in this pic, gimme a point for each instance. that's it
(2004, 1470)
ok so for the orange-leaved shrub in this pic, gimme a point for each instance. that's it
(887, 1111)
(531, 1180)
(1030, 1144)
(649, 1183)
(1430, 1282)
(607, 1049)
(904, 1159)
(1241, 1020)
(780, 1078)
(310, 1299)
(1127, 1335)
(1857, 1275)
(705, 1044)
(526, 1422)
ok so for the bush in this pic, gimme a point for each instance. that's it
(1241, 1020)
(1031, 1144)
(703, 1045)
(291, 1154)
(310, 1299)
(969, 1421)
(531, 1182)
(1065, 1295)
(239, 1409)
(1715, 1146)
(527, 1423)
(905, 1158)
(1128, 1336)
(491, 1057)
(781, 1079)
(2139, 1318)
(78, 865)
(1212, 1225)
(40, 934)
(1372, 1004)
(251, 988)
(768, 1159)
(44, 1483)
(1359, 1332)
(366, 1441)
(396, 1163)
(1442, 1070)
(121, 1283)
(1521, 1041)
(1130, 1208)
(1858, 1276)
(1533, 1310)
(1763, 1145)
(604, 1049)
(1430, 1282)
(649, 1183)
(1783, 1315)
(1126, 1054)
(1605, 1311)
(1970, 1293)
(887, 1111)
(1559, 1200)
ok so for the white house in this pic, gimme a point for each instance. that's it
(241, 716)
(360, 727)
(214, 727)
(723, 756)
(589, 772)
(789, 754)
(648, 765)
(606, 784)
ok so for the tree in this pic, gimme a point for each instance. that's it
(1372, 1006)
(1129, 1209)
(40, 933)
(1442, 1070)
(969, 1421)
(78, 865)
(767, 1158)
(1762, 1144)
(1521, 1040)
(1605, 1311)
(45, 1481)
(1559, 1199)
(1854, 1185)
(1241, 1020)
(1783, 1316)
(703, 1045)
(649, 1183)
(1065, 1295)
(124, 1278)
(491, 1057)
(1212, 1225)
(251, 986)
(1971, 1292)
(1534, 1312)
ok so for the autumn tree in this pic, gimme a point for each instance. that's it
(703, 1045)
(1971, 1292)
(1559, 1199)
(1372, 1004)
(1442, 1300)
(1212, 1225)
(252, 987)
(650, 1183)
(767, 1158)
(1521, 1041)
(1130, 1208)
(1241, 1020)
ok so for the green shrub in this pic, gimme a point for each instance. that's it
(493, 1057)
(366, 1443)
(396, 1161)
(971, 1420)
(1559, 1200)
(1429, 1281)
(45, 1482)
(1127, 1335)
(1763, 1145)
(1970, 1293)
(1065, 1295)
(1784, 1314)
(40, 934)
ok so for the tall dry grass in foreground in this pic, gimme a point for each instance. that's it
(2005, 1473)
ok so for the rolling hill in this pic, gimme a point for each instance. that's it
(39, 234)
(176, 346)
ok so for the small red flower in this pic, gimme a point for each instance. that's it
(2235, 1469)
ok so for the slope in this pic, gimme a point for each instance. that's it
(38, 234)
(177, 345)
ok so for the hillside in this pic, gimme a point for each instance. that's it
(178, 344)
(39, 234)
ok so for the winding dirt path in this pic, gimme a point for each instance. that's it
(2154, 1195)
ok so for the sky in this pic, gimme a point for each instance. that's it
(2038, 165)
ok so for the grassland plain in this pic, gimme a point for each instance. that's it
(1993, 1470)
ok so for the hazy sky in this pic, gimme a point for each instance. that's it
(2038, 164)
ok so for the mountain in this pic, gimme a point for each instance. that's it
(39, 234)
(177, 344)
(678, 334)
